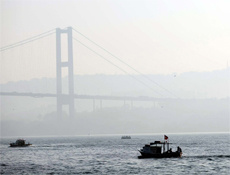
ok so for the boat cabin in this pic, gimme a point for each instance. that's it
(20, 142)
(157, 147)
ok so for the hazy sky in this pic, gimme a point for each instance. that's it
(154, 37)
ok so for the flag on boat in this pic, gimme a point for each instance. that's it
(166, 137)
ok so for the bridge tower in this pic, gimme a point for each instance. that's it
(64, 99)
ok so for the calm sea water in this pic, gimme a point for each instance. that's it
(202, 154)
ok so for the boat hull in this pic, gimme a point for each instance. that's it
(12, 145)
(164, 155)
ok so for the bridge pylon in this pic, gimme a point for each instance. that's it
(64, 99)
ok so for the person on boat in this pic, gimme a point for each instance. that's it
(179, 149)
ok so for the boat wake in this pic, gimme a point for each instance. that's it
(208, 156)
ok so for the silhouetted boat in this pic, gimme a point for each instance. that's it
(20, 143)
(126, 137)
(157, 150)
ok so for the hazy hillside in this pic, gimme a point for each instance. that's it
(203, 105)
(173, 116)
(187, 85)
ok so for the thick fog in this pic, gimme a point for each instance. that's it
(175, 53)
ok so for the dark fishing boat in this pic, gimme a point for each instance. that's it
(20, 143)
(159, 149)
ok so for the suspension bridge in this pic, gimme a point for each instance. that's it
(68, 98)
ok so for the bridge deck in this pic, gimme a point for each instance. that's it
(100, 97)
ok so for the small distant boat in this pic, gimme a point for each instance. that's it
(159, 149)
(20, 143)
(126, 137)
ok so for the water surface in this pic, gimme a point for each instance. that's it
(202, 154)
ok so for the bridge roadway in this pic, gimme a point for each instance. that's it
(99, 97)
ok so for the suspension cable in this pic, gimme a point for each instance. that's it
(28, 40)
(125, 63)
(118, 67)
